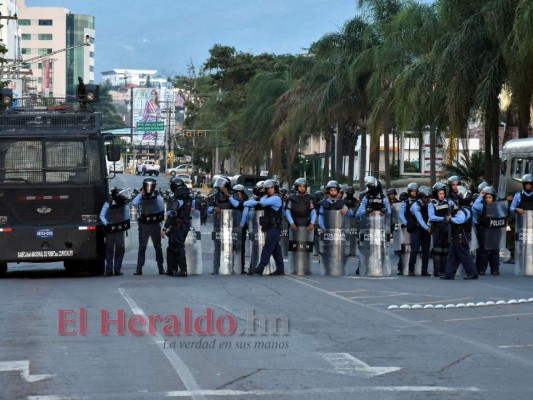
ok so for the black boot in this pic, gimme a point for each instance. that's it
(161, 269)
(139, 271)
(437, 265)
(182, 263)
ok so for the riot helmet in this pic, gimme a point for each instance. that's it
(413, 186)
(149, 185)
(238, 188)
(222, 182)
(319, 195)
(391, 191)
(464, 196)
(349, 190)
(120, 196)
(333, 185)
(371, 182)
(482, 186)
(259, 188)
(271, 183)
(283, 191)
(437, 187)
(454, 179)
(527, 178)
(489, 190)
(176, 183)
(424, 192)
(403, 196)
(300, 182)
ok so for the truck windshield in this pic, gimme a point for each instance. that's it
(47, 161)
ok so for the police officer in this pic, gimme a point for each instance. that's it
(523, 200)
(220, 200)
(461, 226)
(300, 208)
(439, 212)
(331, 202)
(203, 210)
(421, 236)
(391, 195)
(237, 201)
(405, 212)
(487, 253)
(254, 204)
(115, 215)
(151, 214)
(350, 200)
(271, 224)
(453, 184)
(177, 226)
(374, 199)
(510, 231)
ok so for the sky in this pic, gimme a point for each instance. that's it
(167, 35)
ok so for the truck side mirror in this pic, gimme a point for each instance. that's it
(113, 152)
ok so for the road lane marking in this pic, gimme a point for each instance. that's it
(516, 346)
(346, 364)
(24, 367)
(486, 317)
(177, 363)
(280, 393)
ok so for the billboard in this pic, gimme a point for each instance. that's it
(150, 108)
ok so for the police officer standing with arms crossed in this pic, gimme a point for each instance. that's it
(151, 214)
(177, 227)
(439, 212)
(271, 224)
(421, 236)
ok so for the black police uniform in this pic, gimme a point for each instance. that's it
(440, 232)
(150, 217)
(221, 201)
(177, 227)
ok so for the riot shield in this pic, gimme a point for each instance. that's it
(374, 238)
(398, 233)
(228, 242)
(335, 242)
(524, 243)
(496, 214)
(257, 239)
(354, 227)
(284, 238)
(300, 247)
(193, 246)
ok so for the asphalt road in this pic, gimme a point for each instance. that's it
(241, 337)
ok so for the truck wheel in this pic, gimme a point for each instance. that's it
(95, 267)
(72, 267)
(3, 268)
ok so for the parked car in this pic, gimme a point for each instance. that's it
(186, 178)
(117, 167)
(147, 167)
(180, 169)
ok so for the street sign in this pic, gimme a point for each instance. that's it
(151, 126)
(170, 155)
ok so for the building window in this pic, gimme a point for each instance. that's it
(39, 65)
(25, 51)
(25, 36)
(25, 22)
(45, 22)
(42, 52)
(45, 36)
(40, 80)
(91, 68)
(91, 54)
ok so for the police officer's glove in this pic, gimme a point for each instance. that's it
(369, 210)
(172, 214)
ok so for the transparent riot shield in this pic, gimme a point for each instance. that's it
(127, 240)
(524, 243)
(354, 251)
(300, 248)
(284, 238)
(228, 236)
(193, 246)
(494, 234)
(257, 239)
(374, 238)
(335, 242)
(398, 232)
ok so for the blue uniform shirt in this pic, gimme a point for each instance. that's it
(431, 211)
(416, 210)
(321, 212)
(103, 213)
(516, 200)
(362, 207)
(137, 200)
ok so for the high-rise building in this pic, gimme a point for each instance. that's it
(62, 34)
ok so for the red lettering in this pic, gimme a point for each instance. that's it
(232, 325)
(198, 322)
(83, 321)
(172, 325)
(105, 321)
(188, 321)
(63, 321)
(152, 319)
(136, 319)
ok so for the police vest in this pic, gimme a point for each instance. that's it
(222, 201)
(375, 202)
(300, 207)
(116, 218)
(336, 205)
(351, 202)
(183, 213)
(273, 217)
(465, 227)
(526, 202)
(442, 208)
(150, 211)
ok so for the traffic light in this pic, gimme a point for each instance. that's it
(189, 133)
(200, 134)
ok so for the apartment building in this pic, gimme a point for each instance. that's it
(52, 41)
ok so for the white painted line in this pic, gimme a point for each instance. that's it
(516, 346)
(24, 367)
(280, 393)
(486, 317)
(177, 363)
(346, 364)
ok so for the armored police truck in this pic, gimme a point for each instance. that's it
(53, 183)
(516, 161)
